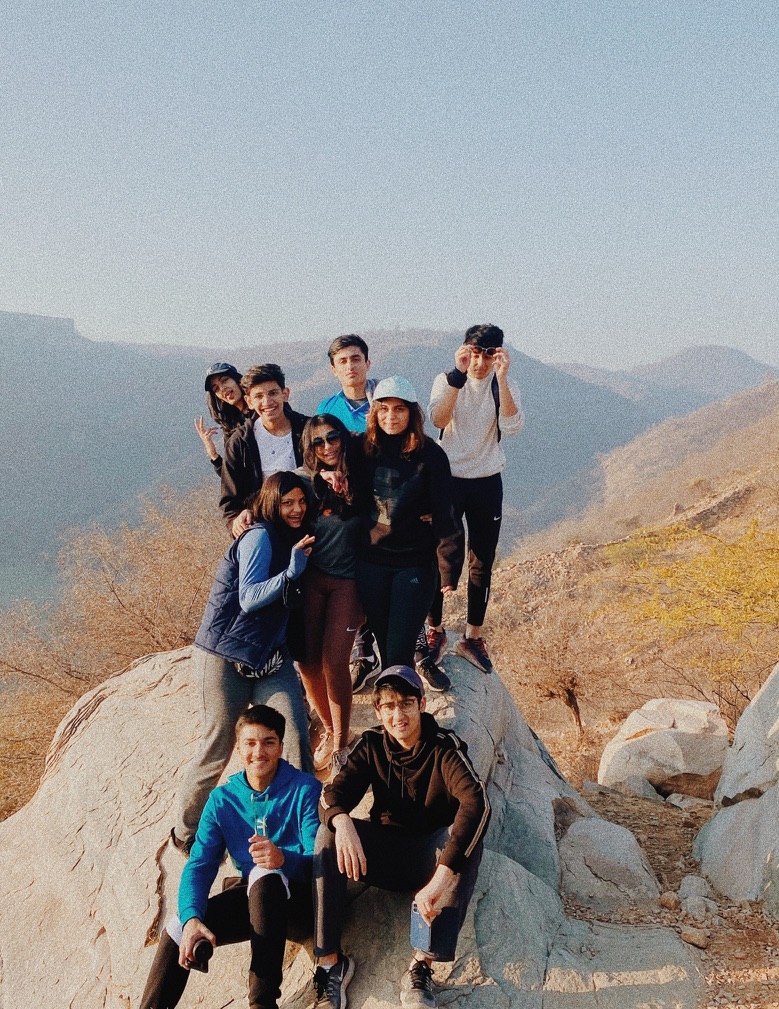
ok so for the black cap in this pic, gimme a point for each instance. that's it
(221, 368)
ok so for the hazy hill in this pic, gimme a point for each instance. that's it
(89, 426)
(706, 459)
(682, 383)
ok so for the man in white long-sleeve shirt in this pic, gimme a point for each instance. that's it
(473, 406)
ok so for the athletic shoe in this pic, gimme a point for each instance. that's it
(324, 751)
(475, 651)
(434, 675)
(363, 670)
(338, 759)
(330, 985)
(182, 847)
(436, 644)
(416, 986)
(421, 651)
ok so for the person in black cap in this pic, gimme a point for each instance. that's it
(427, 823)
(473, 406)
(225, 402)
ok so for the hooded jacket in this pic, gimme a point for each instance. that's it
(242, 469)
(289, 809)
(417, 791)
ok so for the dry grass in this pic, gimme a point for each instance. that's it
(126, 594)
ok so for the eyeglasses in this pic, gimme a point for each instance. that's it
(485, 351)
(408, 704)
(331, 438)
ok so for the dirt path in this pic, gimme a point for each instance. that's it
(741, 963)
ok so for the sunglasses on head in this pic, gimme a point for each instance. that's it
(331, 437)
(485, 351)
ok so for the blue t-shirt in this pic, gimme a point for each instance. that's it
(354, 417)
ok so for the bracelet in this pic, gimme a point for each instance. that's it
(456, 378)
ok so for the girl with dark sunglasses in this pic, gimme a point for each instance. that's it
(331, 608)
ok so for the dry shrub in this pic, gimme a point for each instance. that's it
(123, 594)
(549, 640)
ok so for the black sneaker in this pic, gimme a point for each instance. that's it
(363, 670)
(421, 650)
(416, 987)
(434, 676)
(330, 985)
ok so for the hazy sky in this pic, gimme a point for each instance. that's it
(599, 178)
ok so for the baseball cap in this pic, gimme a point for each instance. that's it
(395, 387)
(222, 368)
(411, 676)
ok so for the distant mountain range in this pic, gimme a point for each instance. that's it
(90, 427)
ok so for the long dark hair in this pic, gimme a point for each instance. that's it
(323, 491)
(227, 416)
(265, 506)
(414, 434)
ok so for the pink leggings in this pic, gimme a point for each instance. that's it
(333, 615)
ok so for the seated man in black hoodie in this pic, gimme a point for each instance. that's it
(429, 815)
(268, 444)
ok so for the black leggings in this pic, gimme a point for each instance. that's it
(481, 502)
(396, 601)
(266, 917)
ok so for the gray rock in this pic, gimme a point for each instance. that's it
(737, 850)
(640, 787)
(694, 886)
(89, 879)
(699, 907)
(677, 746)
(621, 878)
(752, 764)
(690, 803)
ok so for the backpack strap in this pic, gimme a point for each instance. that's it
(496, 397)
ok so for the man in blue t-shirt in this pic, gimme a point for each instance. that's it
(266, 817)
(349, 361)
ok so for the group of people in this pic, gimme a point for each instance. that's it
(347, 533)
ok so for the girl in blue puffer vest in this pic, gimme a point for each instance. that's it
(240, 651)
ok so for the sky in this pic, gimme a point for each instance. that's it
(598, 178)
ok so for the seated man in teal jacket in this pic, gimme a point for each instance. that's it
(266, 817)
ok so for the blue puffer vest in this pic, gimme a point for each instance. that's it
(229, 632)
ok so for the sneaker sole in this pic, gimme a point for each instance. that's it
(345, 983)
(470, 658)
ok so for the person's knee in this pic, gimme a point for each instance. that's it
(266, 889)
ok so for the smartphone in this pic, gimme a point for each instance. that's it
(420, 934)
(201, 954)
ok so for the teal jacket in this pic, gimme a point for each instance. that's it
(289, 807)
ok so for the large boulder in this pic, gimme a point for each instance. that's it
(603, 867)
(89, 878)
(752, 764)
(674, 746)
(738, 849)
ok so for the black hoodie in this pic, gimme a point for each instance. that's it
(417, 791)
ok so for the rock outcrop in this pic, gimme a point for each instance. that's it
(89, 878)
(738, 848)
(672, 746)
